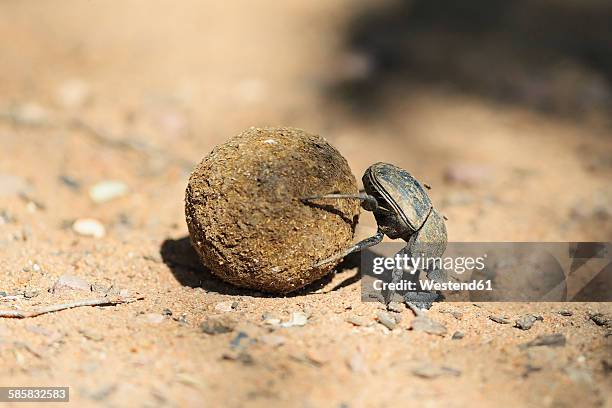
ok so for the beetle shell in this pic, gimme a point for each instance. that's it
(431, 238)
(401, 191)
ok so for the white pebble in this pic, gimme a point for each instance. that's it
(224, 307)
(297, 319)
(89, 227)
(73, 93)
(107, 190)
(31, 114)
(70, 282)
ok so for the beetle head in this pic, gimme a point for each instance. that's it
(389, 221)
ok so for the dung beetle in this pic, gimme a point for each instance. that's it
(402, 210)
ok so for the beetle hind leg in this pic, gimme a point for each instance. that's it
(360, 246)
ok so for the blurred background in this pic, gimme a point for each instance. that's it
(503, 107)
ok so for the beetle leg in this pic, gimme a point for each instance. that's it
(396, 276)
(428, 243)
(360, 246)
(422, 299)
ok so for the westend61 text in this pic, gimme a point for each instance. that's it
(430, 285)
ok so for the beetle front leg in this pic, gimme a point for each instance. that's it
(360, 246)
(396, 276)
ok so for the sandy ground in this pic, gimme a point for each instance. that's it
(140, 91)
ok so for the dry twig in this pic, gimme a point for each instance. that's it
(22, 314)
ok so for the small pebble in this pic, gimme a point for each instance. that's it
(455, 314)
(182, 319)
(458, 335)
(29, 294)
(565, 313)
(271, 319)
(100, 288)
(241, 340)
(167, 312)
(499, 319)
(70, 182)
(89, 227)
(358, 320)
(601, 319)
(396, 307)
(552, 340)
(31, 114)
(5, 216)
(297, 319)
(73, 93)
(386, 320)
(70, 282)
(427, 325)
(107, 190)
(218, 325)
(527, 321)
(240, 356)
(224, 307)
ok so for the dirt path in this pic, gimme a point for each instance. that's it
(139, 92)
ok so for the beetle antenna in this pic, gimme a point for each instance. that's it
(368, 202)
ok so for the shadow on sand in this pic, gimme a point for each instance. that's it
(186, 267)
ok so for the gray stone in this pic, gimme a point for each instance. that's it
(499, 319)
(218, 325)
(386, 320)
(396, 307)
(358, 320)
(458, 335)
(551, 340)
(425, 324)
(526, 322)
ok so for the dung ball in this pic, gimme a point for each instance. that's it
(245, 215)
